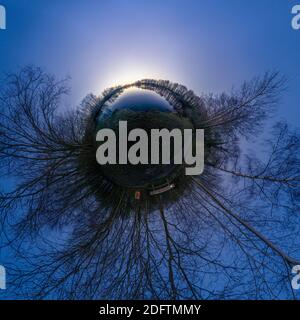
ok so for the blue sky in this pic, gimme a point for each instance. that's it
(209, 46)
(205, 45)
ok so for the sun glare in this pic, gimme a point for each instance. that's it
(129, 73)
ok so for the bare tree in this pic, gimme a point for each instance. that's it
(232, 232)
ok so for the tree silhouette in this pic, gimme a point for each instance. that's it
(230, 233)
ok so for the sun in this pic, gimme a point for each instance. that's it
(131, 71)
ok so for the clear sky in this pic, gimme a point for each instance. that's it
(205, 45)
